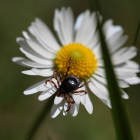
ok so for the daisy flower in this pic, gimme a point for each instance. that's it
(80, 42)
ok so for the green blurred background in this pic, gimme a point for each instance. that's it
(18, 112)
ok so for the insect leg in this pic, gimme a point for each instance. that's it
(72, 99)
(84, 84)
(80, 91)
(68, 68)
(58, 94)
(51, 82)
(68, 103)
(56, 80)
(60, 76)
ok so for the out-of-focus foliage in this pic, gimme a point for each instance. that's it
(18, 112)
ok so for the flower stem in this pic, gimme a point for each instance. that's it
(136, 35)
(40, 118)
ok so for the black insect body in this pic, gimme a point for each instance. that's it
(68, 85)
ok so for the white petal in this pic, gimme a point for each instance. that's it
(119, 52)
(44, 72)
(86, 33)
(63, 25)
(56, 109)
(33, 88)
(88, 105)
(47, 86)
(123, 74)
(59, 99)
(113, 31)
(97, 51)
(106, 25)
(126, 70)
(38, 46)
(19, 60)
(69, 23)
(45, 34)
(46, 94)
(26, 35)
(93, 42)
(124, 95)
(82, 95)
(100, 79)
(99, 93)
(37, 58)
(103, 81)
(76, 98)
(133, 80)
(28, 63)
(83, 99)
(90, 34)
(80, 31)
(100, 63)
(107, 102)
(113, 36)
(40, 50)
(127, 55)
(100, 86)
(28, 72)
(78, 21)
(25, 48)
(39, 39)
(74, 109)
(24, 45)
(100, 72)
(66, 106)
(42, 87)
(32, 64)
(122, 84)
(114, 44)
(57, 27)
(131, 64)
(119, 74)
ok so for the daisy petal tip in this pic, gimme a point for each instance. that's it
(40, 98)
(14, 59)
(53, 116)
(90, 111)
(58, 100)
(19, 39)
(125, 96)
(26, 92)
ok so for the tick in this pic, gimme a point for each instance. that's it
(68, 85)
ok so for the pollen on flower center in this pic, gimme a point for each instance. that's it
(83, 61)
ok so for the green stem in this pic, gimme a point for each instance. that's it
(136, 35)
(119, 113)
(40, 118)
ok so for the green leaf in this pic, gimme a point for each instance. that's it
(119, 113)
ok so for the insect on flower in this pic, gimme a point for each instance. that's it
(67, 85)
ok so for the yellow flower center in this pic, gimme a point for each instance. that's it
(83, 61)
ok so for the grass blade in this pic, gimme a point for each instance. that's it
(119, 113)
(136, 35)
